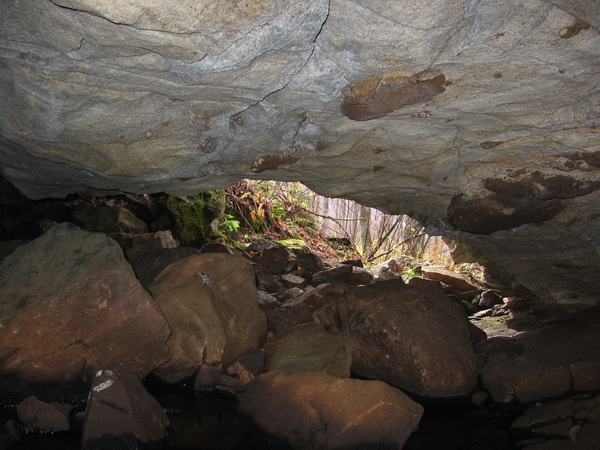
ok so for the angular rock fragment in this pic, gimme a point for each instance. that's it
(211, 303)
(121, 413)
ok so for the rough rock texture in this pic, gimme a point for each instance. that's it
(478, 118)
(211, 302)
(317, 411)
(38, 416)
(571, 423)
(121, 414)
(415, 341)
(309, 348)
(545, 363)
(70, 305)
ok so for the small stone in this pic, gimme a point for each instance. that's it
(292, 281)
(39, 416)
(478, 398)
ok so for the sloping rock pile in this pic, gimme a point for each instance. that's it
(288, 335)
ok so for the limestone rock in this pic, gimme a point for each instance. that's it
(71, 305)
(417, 342)
(309, 348)
(318, 411)
(479, 119)
(121, 414)
(211, 303)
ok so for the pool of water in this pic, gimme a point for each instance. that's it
(209, 421)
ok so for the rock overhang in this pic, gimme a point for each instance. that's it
(485, 125)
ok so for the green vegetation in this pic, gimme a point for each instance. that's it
(282, 212)
(196, 218)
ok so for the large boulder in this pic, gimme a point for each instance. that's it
(211, 302)
(336, 315)
(317, 411)
(71, 305)
(417, 341)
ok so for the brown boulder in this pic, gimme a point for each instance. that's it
(71, 305)
(121, 413)
(548, 362)
(211, 302)
(38, 416)
(318, 411)
(309, 348)
(416, 341)
(336, 315)
(456, 280)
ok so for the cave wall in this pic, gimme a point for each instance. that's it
(479, 118)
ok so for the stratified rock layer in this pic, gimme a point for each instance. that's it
(478, 118)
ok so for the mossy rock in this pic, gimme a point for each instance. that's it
(196, 218)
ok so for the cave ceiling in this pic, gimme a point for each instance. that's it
(479, 118)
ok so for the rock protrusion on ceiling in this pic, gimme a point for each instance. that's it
(380, 95)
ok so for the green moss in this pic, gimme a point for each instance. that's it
(194, 216)
(294, 245)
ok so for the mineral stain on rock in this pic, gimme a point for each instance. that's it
(380, 95)
(271, 162)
